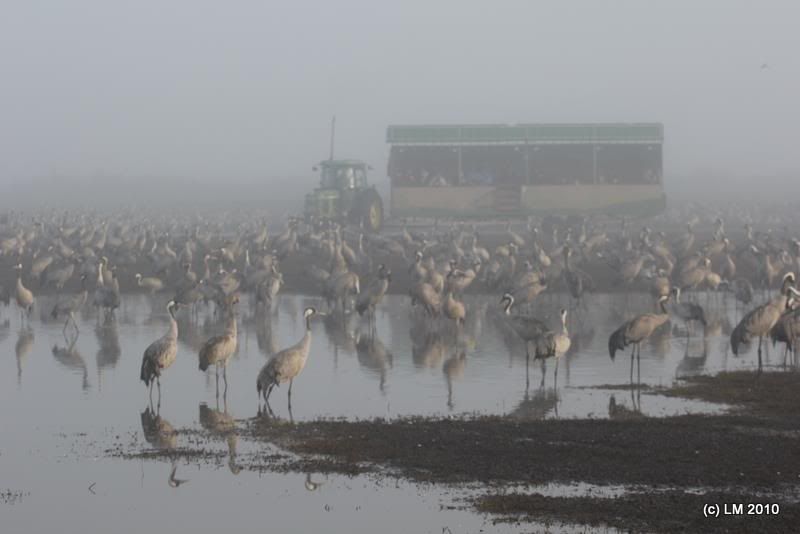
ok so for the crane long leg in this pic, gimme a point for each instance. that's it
(290, 397)
(639, 364)
(527, 366)
(760, 339)
(633, 352)
(74, 323)
(544, 370)
(555, 376)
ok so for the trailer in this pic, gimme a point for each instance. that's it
(491, 171)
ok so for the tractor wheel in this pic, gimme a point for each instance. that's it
(370, 210)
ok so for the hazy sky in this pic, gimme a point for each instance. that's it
(241, 90)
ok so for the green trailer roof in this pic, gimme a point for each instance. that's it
(624, 133)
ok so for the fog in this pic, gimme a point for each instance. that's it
(109, 99)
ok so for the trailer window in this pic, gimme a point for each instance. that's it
(424, 166)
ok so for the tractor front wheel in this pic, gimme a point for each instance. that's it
(370, 211)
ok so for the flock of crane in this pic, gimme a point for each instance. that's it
(85, 258)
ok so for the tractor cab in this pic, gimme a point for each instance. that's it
(343, 174)
(344, 195)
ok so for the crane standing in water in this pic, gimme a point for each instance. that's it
(219, 349)
(635, 331)
(760, 320)
(528, 328)
(24, 296)
(286, 364)
(553, 344)
(71, 305)
(160, 354)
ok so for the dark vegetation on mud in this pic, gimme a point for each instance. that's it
(691, 459)
(668, 511)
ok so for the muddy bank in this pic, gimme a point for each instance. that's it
(690, 450)
(678, 451)
(747, 456)
(772, 395)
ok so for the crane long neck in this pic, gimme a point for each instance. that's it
(305, 343)
(173, 324)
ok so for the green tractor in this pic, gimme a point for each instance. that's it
(344, 196)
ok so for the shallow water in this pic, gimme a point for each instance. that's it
(64, 406)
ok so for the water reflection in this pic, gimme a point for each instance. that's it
(694, 357)
(5, 329)
(659, 341)
(408, 361)
(312, 485)
(374, 357)
(192, 334)
(161, 435)
(158, 432)
(622, 412)
(69, 357)
(267, 342)
(173, 481)
(539, 405)
(340, 330)
(108, 347)
(220, 423)
(453, 370)
(414, 367)
(22, 347)
(428, 348)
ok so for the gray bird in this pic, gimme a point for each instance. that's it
(759, 321)
(71, 305)
(219, 349)
(529, 329)
(688, 312)
(636, 330)
(160, 354)
(286, 365)
(23, 296)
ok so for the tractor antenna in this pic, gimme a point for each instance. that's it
(333, 134)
